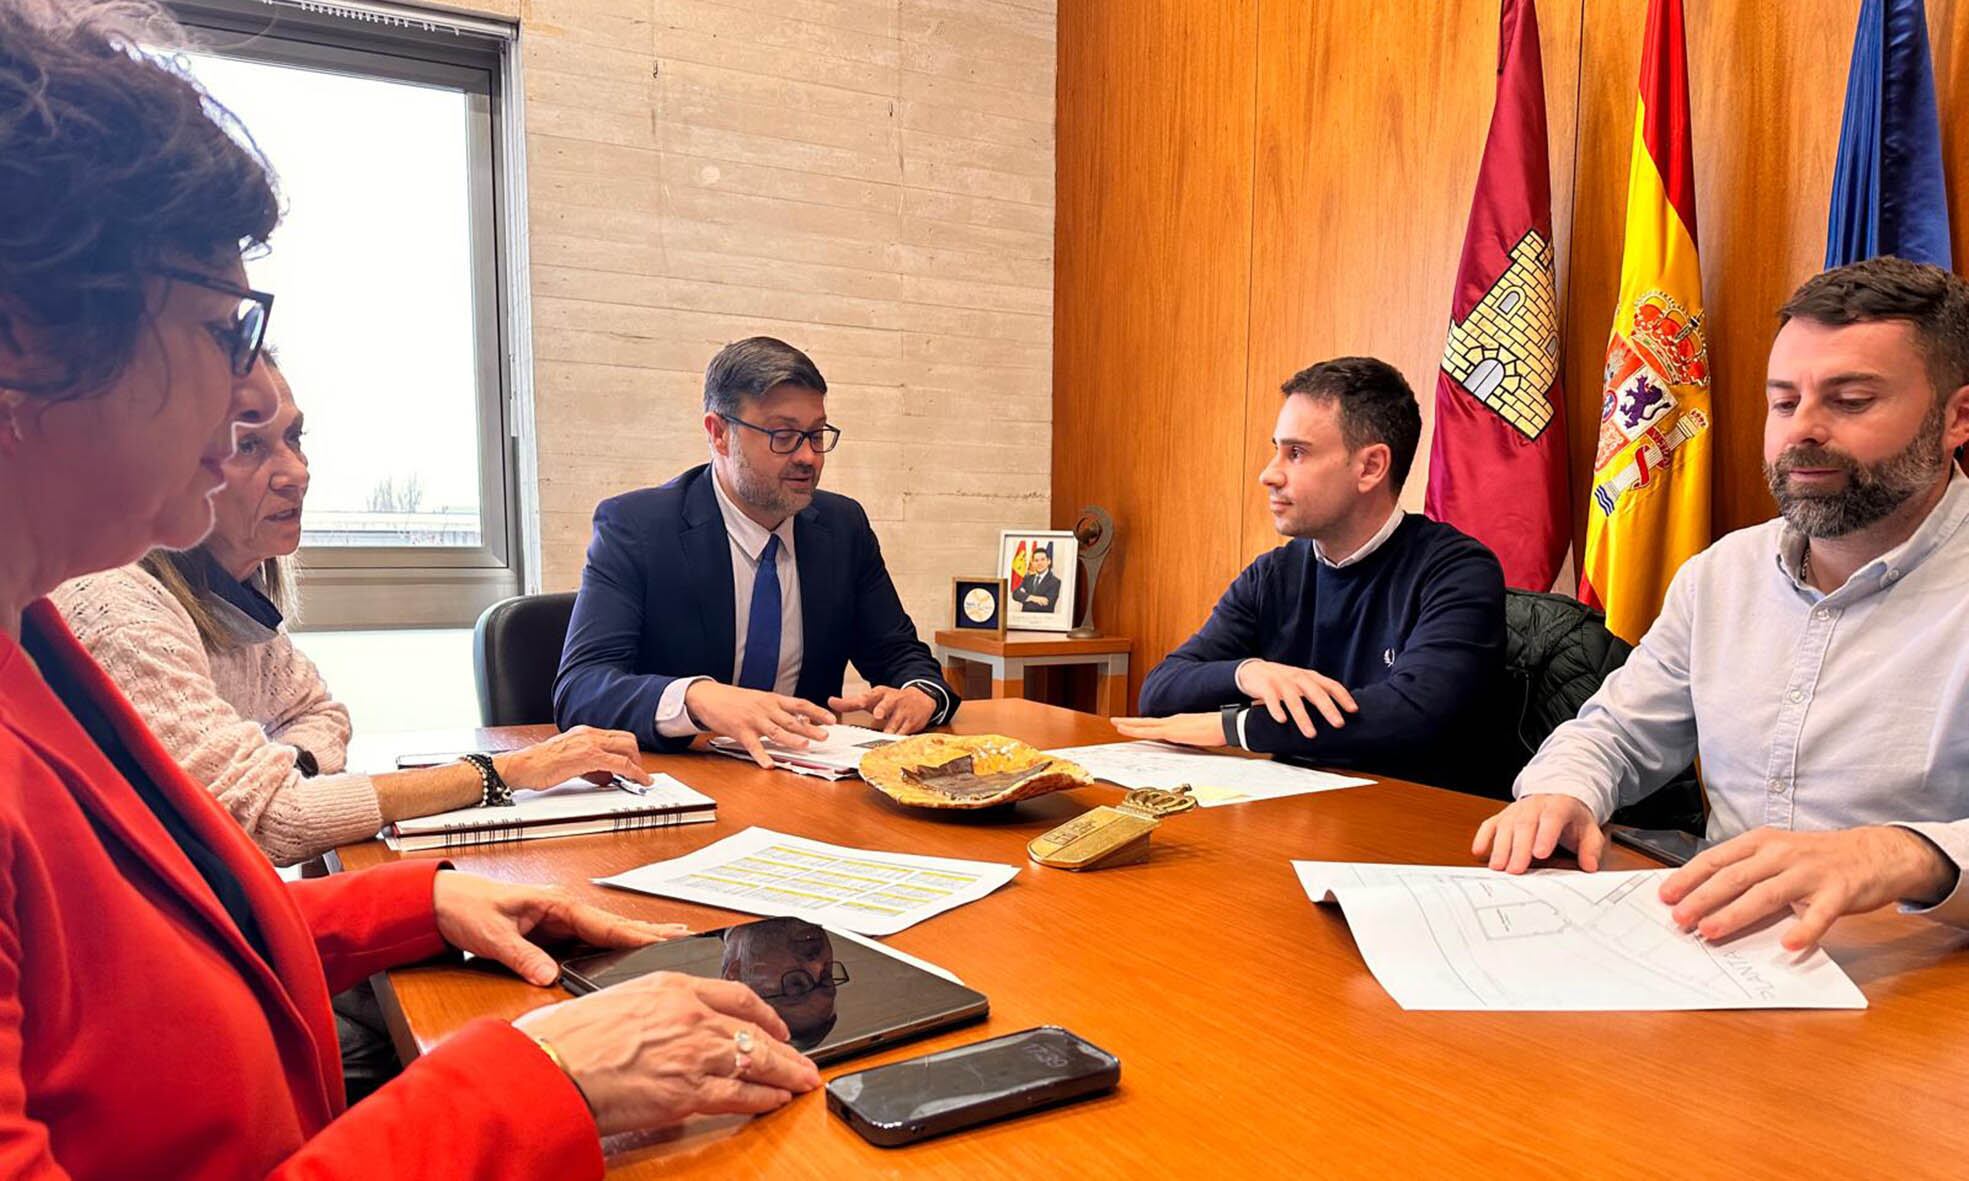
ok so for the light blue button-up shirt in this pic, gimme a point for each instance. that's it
(1810, 711)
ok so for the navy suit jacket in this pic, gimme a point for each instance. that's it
(656, 604)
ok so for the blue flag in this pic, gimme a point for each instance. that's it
(1887, 194)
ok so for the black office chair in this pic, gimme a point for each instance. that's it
(516, 650)
(1557, 652)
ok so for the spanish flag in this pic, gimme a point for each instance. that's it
(1650, 505)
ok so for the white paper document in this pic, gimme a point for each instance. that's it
(759, 871)
(836, 758)
(1214, 779)
(1468, 937)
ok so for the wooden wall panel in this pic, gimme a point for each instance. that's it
(1371, 125)
(1154, 209)
(1366, 122)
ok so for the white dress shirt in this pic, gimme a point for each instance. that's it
(1810, 711)
(1379, 539)
(748, 541)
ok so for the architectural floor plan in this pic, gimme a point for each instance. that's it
(1441, 937)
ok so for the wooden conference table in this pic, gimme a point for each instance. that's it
(1252, 1038)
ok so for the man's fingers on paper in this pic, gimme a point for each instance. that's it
(1813, 924)
(1761, 900)
(807, 710)
(1524, 836)
(1677, 885)
(1591, 842)
(849, 704)
(756, 748)
(1545, 840)
(1726, 884)
(1480, 844)
(780, 735)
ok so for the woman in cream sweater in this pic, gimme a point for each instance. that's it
(196, 641)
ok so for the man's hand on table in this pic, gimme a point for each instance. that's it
(1822, 876)
(897, 711)
(753, 717)
(1185, 729)
(499, 921)
(1534, 828)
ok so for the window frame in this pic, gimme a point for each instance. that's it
(418, 585)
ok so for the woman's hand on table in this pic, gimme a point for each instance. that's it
(500, 921)
(583, 752)
(651, 1051)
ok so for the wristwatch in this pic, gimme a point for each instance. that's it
(494, 793)
(1230, 715)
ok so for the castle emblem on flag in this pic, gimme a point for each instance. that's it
(1506, 351)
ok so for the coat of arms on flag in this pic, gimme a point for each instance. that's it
(1665, 351)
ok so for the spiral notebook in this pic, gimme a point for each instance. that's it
(574, 808)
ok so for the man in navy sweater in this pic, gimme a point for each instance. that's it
(1372, 639)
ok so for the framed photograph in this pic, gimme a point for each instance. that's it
(978, 604)
(1041, 568)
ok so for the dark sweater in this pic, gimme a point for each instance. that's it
(1415, 631)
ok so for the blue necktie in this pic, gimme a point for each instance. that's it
(760, 669)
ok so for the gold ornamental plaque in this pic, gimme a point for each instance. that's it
(1110, 835)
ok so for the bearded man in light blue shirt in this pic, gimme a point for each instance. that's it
(1818, 663)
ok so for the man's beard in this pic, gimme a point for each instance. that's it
(1871, 492)
(765, 492)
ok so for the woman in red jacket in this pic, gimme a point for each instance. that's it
(163, 995)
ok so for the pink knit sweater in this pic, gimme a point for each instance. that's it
(232, 717)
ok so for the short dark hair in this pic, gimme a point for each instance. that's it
(1933, 301)
(1375, 406)
(748, 368)
(112, 161)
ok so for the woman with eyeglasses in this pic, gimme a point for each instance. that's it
(163, 994)
(195, 638)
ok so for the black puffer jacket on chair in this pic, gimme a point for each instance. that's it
(1557, 652)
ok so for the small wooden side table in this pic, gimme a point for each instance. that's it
(1009, 658)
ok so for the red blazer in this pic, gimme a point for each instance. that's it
(141, 1036)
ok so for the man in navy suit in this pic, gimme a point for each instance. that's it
(1039, 590)
(730, 600)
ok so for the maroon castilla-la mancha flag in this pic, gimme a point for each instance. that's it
(1497, 467)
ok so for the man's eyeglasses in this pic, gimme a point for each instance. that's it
(248, 331)
(785, 441)
(799, 982)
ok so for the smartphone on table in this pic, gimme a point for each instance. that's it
(918, 1098)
